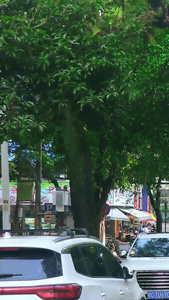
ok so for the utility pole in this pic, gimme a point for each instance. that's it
(6, 224)
(38, 179)
(165, 215)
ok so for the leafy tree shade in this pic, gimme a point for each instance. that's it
(73, 72)
(148, 163)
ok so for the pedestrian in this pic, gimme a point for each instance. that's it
(153, 228)
(145, 229)
(149, 227)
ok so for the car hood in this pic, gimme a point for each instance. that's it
(146, 263)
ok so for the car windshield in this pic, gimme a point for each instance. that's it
(153, 247)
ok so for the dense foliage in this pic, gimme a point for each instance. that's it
(87, 76)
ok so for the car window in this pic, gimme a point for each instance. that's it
(153, 247)
(29, 264)
(111, 264)
(95, 261)
(78, 261)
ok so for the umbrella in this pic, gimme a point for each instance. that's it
(140, 215)
(151, 219)
(116, 214)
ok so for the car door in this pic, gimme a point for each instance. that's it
(106, 273)
(114, 285)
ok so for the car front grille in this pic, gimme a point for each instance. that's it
(153, 280)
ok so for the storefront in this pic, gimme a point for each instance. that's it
(22, 198)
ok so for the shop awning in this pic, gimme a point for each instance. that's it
(138, 214)
(116, 214)
(152, 218)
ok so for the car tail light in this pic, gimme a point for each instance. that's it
(9, 249)
(66, 291)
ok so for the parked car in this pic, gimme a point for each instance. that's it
(67, 264)
(149, 258)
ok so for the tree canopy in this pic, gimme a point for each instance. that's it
(87, 76)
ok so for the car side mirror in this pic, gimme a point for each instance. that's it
(132, 253)
(126, 274)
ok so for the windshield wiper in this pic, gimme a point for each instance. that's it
(9, 275)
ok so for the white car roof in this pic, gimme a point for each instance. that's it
(56, 243)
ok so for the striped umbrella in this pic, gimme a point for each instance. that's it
(151, 219)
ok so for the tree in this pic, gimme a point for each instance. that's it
(148, 163)
(69, 75)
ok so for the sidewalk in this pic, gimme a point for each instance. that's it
(163, 227)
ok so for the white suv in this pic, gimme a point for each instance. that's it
(65, 266)
(149, 257)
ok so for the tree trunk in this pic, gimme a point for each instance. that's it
(38, 178)
(82, 191)
(107, 184)
(155, 202)
(159, 219)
